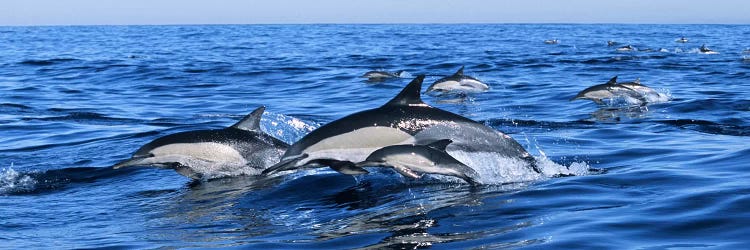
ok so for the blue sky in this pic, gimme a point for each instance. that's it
(85, 12)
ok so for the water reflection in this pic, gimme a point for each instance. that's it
(618, 114)
(308, 212)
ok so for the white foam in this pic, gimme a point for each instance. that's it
(11, 181)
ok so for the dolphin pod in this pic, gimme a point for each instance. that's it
(634, 90)
(405, 119)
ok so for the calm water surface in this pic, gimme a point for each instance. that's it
(75, 100)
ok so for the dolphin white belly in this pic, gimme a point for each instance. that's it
(206, 151)
(356, 145)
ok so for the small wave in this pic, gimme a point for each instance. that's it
(709, 127)
(14, 105)
(84, 117)
(18, 183)
(47, 62)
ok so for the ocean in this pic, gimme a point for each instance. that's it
(669, 175)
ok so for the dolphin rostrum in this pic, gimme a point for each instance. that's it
(204, 154)
(459, 83)
(411, 159)
(405, 119)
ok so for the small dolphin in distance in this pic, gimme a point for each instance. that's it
(705, 50)
(551, 41)
(682, 40)
(205, 154)
(626, 48)
(411, 159)
(380, 75)
(457, 83)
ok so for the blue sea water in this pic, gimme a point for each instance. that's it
(671, 175)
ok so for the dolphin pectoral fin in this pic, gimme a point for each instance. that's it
(286, 164)
(405, 171)
(440, 144)
(347, 167)
(371, 164)
(188, 172)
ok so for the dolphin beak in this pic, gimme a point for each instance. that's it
(283, 165)
(134, 161)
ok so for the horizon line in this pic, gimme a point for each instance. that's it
(366, 23)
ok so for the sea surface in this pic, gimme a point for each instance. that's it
(74, 100)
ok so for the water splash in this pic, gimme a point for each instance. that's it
(286, 128)
(12, 181)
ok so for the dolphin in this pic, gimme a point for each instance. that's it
(379, 75)
(682, 40)
(405, 119)
(412, 159)
(626, 48)
(458, 82)
(705, 50)
(551, 41)
(610, 89)
(206, 154)
(611, 43)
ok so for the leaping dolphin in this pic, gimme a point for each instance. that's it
(458, 82)
(410, 160)
(611, 89)
(238, 149)
(405, 119)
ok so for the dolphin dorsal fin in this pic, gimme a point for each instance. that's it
(250, 122)
(460, 72)
(613, 80)
(410, 95)
(440, 145)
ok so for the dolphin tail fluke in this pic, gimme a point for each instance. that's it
(283, 165)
